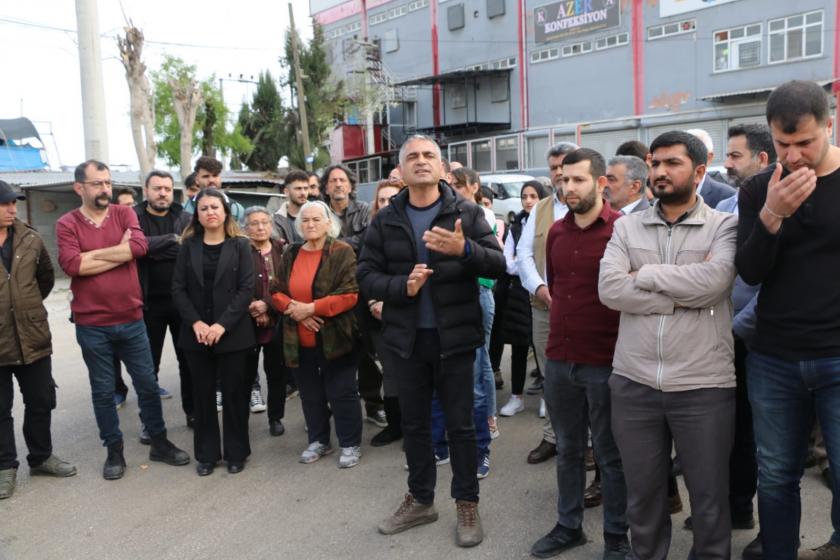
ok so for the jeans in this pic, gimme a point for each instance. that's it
(38, 390)
(482, 429)
(418, 377)
(275, 375)
(483, 369)
(539, 336)
(578, 397)
(130, 344)
(784, 395)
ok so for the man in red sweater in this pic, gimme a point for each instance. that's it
(97, 247)
(581, 342)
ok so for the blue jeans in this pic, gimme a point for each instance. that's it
(485, 382)
(130, 344)
(784, 396)
(577, 397)
(482, 429)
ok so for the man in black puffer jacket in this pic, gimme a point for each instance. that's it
(422, 257)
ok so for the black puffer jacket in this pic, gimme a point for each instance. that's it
(516, 314)
(389, 254)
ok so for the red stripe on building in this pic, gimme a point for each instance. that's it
(523, 68)
(435, 63)
(637, 31)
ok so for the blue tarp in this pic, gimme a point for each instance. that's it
(20, 158)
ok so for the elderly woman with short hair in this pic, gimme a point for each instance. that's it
(316, 292)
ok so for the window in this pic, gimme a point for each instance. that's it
(391, 42)
(507, 153)
(536, 146)
(458, 152)
(577, 48)
(417, 5)
(737, 48)
(669, 29)
(378, 18)
(455, 17)
(495, 8)
(481, 155)
(795, 37)
(612, 41)
(457, 96)
(544, 55)
(499, 89)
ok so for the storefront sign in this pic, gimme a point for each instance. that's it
(562, 19)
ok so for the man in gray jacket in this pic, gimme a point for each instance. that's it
(669, 270)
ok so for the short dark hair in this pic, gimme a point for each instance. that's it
(758, 137)
(189, 181)
(447, 167)
(633, 148)
(208, 163)
(161, 174)
(295, 175)
(80, 173)
(694, 147)
(485, 192)
(793, 100)
(326, 175)
(125, 190)
(313, 174)
(466, 175)
(597, 166)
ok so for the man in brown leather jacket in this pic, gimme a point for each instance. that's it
(26, 279)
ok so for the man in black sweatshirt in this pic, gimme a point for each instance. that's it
(789, 241)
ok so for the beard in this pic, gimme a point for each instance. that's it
(679, 194)
(160, 205)
(102, 201)
(584, 204)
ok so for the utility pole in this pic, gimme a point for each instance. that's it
(301, 101)
(93, 91)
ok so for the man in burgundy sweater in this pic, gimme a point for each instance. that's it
(581, 341)
(97, 247)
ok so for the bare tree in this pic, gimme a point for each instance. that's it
(186, 96)
(142, 109)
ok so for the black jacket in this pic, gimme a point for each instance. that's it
(233, 291)
(389, 254)
(354, 222)
(161, 247)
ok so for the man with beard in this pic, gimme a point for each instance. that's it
(750, 149)
(98, 245)
(162, 221)
(669, 270)
(579, 356)
(296, 186)
(789, 241)
(314, 186)
(626, 180)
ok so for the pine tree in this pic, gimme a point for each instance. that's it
(264, 125)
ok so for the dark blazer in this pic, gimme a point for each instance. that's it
(233, 290)
(389, 254)
(714, 191)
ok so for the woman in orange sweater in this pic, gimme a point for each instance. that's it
(317, 291)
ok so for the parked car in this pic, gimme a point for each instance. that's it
(506, 190)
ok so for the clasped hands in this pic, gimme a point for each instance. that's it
(208, 335)
(304, 313)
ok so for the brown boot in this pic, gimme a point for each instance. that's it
(469, 531)
(411, 513)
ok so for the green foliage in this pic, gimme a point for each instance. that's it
(211, 132)
(263, 123)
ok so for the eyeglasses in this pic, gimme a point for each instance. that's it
(97, 184)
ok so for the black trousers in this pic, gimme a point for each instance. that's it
(418, 377)
(743, 466)
(38, 389)
(328, 387)
(235, 379)
(275, 375)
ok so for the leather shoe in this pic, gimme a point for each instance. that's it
(675, 504)
(592, 495)
(276, 427)
(754, 550)
(235, 467)
(826, 476)
(114, 467)
(542, 452)
(559, 539)
(204, 469)
(54, 466)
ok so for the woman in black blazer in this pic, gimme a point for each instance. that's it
(212, 287)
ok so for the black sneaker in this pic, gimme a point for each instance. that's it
(559, 539)
(276, 428)
(536, 387)
(616, 547)
(165, 451)
(114, 467)
(386, 436)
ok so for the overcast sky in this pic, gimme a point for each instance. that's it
(41, 65)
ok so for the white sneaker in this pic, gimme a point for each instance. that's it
(514, 405)
(218, 401)
(315, 451)
(257, 402)
(349, 457)
(542, 408)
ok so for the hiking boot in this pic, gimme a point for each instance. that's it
(53, 466)
(411, 513)
(114, 467)
(468, 532)
(165, 451)
(8, 481)
(557, 540)
(828, 551)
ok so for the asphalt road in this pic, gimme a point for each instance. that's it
(278, 508)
